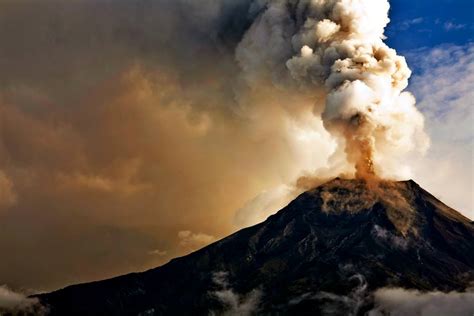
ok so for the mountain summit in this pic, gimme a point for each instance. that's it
(325, 253)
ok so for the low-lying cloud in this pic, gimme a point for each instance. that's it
(392, 301)
(193, 241)
(402, 302)
(233, 303)
(14, 303)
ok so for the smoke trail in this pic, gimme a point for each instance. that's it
(333, 51)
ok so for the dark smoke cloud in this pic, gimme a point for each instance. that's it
(133, 131)
(123, 123)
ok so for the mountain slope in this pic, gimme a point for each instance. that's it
(327, 250)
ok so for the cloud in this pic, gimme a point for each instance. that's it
(13, 303)
(391, 301)
(406, 24)
(398, 302)
(334, 304)
(451, 26)
(233, 303)
(158, 252)
(193, 241)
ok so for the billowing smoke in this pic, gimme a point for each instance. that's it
(334, 51)
(128, 122)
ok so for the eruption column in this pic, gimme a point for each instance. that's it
(335, 48)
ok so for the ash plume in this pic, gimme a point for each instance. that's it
(334, 52)
(110, 110)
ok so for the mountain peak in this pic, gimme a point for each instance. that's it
(342, 239)
(359, 195)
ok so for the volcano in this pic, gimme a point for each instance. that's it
(325, 253)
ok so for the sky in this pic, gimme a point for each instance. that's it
(135, 132)
(437, 38)
(416, 24)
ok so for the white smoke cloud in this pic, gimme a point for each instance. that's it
(335, 51)
(402, 302)
(234, 303)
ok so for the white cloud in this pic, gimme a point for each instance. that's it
(13, 303)
(445, 95)
(158, 252)
(450, 26)
(193, 241)
(234, 303)
(401, 302)
(406, 24)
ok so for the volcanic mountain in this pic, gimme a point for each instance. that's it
(323, 254)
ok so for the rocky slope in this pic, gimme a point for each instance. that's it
(325, 253)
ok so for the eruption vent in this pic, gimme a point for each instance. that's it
(336, 54)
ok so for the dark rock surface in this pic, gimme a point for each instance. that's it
(327, 250)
